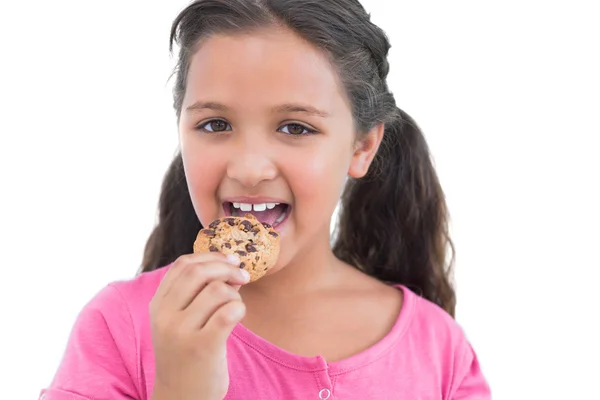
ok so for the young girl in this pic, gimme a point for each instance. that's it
(283, 107)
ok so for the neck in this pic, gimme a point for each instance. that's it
(314, 268)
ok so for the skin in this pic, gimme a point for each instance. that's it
(310, 303)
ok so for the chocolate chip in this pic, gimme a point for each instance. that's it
(241, 253)
(255, 230)
(274, 234)
(214, 224)
(213, 249)
(250, 248)
(242, 265)
(209, 232)
(266, 225)
(257, 258)
(230, 221)
(227, 245)
(247, 225)
(238, 242)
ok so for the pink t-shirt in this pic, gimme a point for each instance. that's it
(109, 356)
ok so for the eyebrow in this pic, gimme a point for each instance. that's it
(283, 108)
(207, 105)
(300, 108)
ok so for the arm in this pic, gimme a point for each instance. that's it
(470, 383)
(100, 359)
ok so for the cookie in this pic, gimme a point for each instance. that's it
(255, 243)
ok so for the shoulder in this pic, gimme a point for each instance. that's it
(428, 316)
(125, 301)
(431, 330)
(103, 350)
(430, 324)
(141, 288)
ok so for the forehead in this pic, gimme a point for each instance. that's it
(263, 68)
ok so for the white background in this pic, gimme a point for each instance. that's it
(508, 94)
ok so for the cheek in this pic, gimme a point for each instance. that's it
(204, 173)
(317, 179)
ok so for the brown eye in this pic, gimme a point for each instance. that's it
(296, 130)
(216, 125)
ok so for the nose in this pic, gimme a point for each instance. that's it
(251, 164)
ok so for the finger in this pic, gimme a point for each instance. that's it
(179, 266)
(223, 320)
(195, 278)
(215, 295)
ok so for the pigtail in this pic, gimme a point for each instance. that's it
(393, 223)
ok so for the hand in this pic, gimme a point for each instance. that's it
(192, 314)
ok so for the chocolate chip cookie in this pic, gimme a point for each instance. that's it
(255, 243)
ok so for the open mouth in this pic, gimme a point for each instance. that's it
(269, 213)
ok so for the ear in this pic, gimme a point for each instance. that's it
(364, 151)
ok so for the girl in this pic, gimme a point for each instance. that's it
(283, 105)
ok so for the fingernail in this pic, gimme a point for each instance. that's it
(233, 259)
(245, 274)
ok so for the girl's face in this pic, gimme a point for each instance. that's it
(266, 129)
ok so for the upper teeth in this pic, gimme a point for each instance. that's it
(256, 207)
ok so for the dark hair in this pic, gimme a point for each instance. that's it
(393, 223)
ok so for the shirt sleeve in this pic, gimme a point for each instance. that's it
(470, 383)
(99, 362)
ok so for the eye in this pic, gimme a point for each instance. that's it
(297, 130)
(215, 125)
